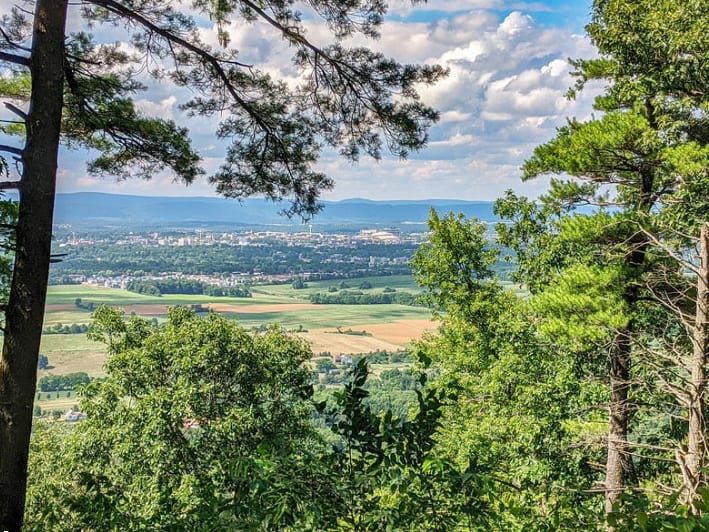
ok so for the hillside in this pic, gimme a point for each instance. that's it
(89, 208)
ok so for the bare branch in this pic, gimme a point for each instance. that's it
(10, 185)
(19, 112)
(14, 58)
(664, 247)
(11, 149)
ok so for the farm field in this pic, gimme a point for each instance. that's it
(328, 328)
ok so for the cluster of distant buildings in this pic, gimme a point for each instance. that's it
(255, 238)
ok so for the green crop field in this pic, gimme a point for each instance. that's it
(332, 316)
(404, 283)
(67, 294)
(280, 304)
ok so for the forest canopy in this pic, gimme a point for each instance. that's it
(576, 404)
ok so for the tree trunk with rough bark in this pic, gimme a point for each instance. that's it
(25, 308)
(619, 464)
(696, 457)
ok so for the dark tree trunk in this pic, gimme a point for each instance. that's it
(696, 457)
(25, 309)
(619, 465)
(619, 461)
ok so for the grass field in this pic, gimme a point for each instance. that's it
(69, 353)
(389, 326)
(404, 283)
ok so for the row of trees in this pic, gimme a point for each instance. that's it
(186, 286)
(69, 381)
(60, 328)
(356, 297)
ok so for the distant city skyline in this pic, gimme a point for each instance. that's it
(505, 94)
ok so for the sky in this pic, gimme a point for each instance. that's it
(505, 94)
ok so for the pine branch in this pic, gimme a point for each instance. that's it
(12, 43)
(205, 56)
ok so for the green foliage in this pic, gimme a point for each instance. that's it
(185, 286)
(640, 512)
(517, 398)
(353, 297)
(455, 267)
(584, 307)
(391, 476)
(84, 305)
(198, 421)
(70, 381)
(324, 365)
(42, 362)
(299, 284)
(603, 281)
(8, 219)
(626, 35)
(59, 328)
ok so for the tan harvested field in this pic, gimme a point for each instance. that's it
(63, 405)
(399, 332)
(385, 336)
(327, 340)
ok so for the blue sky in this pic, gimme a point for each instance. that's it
(505, 94)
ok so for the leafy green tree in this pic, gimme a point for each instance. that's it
(324, 365)
(197, 422)
(646, 157)
(390, 475)
(670, 82)
(42, 362)
(299, 283)
(80, 92)
(518, 400)
(201, 424)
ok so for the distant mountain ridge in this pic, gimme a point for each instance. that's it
(96, 209)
